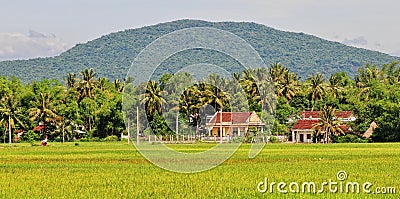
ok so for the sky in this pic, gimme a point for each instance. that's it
(43, 28)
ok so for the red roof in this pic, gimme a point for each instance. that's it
(304, 124)
(344, 114)
(345, 128)
(234, 117)
(38, 128)
(316, 114)
(308, 114)
(308, 124)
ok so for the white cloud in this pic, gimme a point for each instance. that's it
(396, 53)
(358, 41)
(14, 45)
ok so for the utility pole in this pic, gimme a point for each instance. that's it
(63, 130)
(129, 129)
(137, 125)
(177, 126)
(220, 126)
(9, 129)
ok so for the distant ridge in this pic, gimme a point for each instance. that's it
(111, 55)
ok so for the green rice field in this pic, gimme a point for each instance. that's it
(117, 170)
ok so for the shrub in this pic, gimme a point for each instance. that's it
(30, 137)
(238, 139)
(84, 140)
(350, 138)
(111, 138)
(248, 138)
(273, 139)
(95, 139)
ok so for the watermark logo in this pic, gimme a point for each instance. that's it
(339, 185)
(167, 55)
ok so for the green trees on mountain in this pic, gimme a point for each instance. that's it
(111, 55)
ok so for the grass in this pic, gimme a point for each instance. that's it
(117, 170)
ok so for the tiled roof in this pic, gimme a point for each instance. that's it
(234, 117)
(304, 124)
(308, 114)
(344, 114)
(38, 128)
(308, 124)
(316, 114)
(345, 128)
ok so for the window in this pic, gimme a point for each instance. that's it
(308, 136)
(235, 131)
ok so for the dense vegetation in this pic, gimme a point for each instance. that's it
(94, 104)
(117, 170)
(111, 55)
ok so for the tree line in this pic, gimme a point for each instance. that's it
(94, 104)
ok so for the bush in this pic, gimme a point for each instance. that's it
(111, 138)
(84, 140)
(238, 139)
(248, 139)
(30, 137)
(273, 139)
(350, 138)
(95, 139)
(34, 144)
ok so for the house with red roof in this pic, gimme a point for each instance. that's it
(39, 128)
(302, 130)
(223, 124)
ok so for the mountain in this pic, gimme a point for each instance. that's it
(111, 55)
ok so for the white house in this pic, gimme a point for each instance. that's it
(302, 129)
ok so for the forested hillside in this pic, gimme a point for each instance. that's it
(111, 55)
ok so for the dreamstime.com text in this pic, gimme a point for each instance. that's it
(341, 185)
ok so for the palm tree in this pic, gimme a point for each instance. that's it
(216, 97)
(334, 87)
(392, 72)
(118, 85)
(153, 98)
(87, 83)
(43, 112)
(289, 87)
(286, 83)
(71, 80)
(317, 88)
(328, 124)
(250, 86)
(190, 102)
(11, 113)
(278, 72)
(102, 83)
(366, 77)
